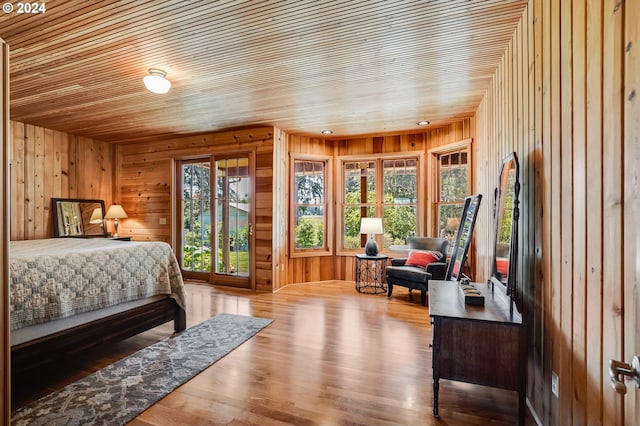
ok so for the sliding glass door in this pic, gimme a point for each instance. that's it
(233, 227)
(216, 219)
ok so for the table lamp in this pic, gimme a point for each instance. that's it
(115, 212)
(371, 226)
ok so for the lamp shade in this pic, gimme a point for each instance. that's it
(371, 225)
(156, 82)
(96, 216)
(116, 212)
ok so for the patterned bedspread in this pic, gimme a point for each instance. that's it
(60, 277)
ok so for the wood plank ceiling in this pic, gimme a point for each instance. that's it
(355, 67)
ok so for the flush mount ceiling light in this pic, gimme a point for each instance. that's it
(326, 132)
(156, 82)
(423, 123)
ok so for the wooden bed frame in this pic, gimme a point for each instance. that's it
(34, 345)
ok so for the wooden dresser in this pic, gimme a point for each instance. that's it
(484, 345)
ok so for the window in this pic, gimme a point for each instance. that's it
(453, 187)
(381, 187)
(310, 215)
(399, 204)
(359, 200)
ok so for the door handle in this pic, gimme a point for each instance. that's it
(250, 229)
(617, 371)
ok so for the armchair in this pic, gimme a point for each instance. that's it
(417, 277)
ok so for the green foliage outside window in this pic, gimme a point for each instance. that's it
(399, 200)
(309, 204)
(197, 248)
(399, 223)
(196, 205)
(398, 206)
(453, 184)
(310, 232)
(453, 190)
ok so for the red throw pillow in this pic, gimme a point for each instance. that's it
(502, 265)
(422, 258)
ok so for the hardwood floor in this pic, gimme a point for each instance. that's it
(332, 356)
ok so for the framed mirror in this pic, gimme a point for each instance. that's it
(506, 213)
(76, 217)
(463, 239)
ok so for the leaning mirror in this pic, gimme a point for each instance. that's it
(463, 240)
(506, 214)
(75, 217)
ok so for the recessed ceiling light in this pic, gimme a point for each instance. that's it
(156, 82)
(423, 123)
(327, 132)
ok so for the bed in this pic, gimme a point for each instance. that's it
(70, 294)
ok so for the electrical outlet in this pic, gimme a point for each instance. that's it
(554, 383)
(163, 221)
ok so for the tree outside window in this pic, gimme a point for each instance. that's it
(310, 204)
(400, 200)
(453, 183)
(196, 227)
(359, 179)
(394, 199)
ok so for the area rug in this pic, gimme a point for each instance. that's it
(118, 393)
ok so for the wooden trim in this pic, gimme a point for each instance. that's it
(231, 280)
(451, 147)
(173, 237)
(329, 204)
(193, 275)
(176, 210)
(384, 156)
(252, 154)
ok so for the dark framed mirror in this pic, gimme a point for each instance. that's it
(76, 217)
(463, 239)
(506, 214)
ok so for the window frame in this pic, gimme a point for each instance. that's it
(434, 173)
(379, 201)
(329, 238)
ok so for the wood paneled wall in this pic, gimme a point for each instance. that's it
(565, 99)
(145, 178)
(48, 164)
(320, 268)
